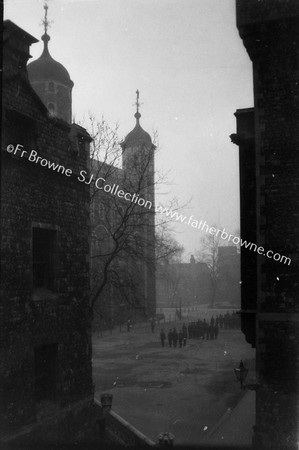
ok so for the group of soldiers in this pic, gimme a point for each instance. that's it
(201, 329)
(229, 320)
(175, 338)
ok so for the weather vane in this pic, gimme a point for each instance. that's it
(46, 22)
(137, 103)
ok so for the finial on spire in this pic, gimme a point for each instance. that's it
(137, 100)
(46, 24)
(45, 21)
(138, 104)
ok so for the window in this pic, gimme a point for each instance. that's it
(43, 246)
(45, 370)
(51, 86)
(101, 210)
(19, 129)
(52, 109)
(81, 143)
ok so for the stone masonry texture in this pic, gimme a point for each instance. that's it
(270, 33)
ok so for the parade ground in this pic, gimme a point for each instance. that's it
(186, 391)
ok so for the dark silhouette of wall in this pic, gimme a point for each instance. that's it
(270, 32)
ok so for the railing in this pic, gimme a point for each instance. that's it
(121, 432)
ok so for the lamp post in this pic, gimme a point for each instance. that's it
(241, 374)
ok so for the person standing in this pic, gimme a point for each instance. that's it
(208, 331)
(184, 335)
(184, 329)
(175, 337)
(221, 321)
(170, 337)
(204, 328)
(216, 331)
(180, 338)
(162, 337)
(153, 325)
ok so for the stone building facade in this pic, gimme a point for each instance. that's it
(228, 290)
(189, 284)
(46, 373)
(244, 138)
(269, 138)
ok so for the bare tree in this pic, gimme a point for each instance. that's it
(126, 240)
(168, 250)
(208, 253)
(168, 256)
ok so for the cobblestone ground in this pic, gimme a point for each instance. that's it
(181, 390)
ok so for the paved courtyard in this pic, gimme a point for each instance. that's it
(182, 390)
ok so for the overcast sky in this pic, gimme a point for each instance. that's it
(192, 71)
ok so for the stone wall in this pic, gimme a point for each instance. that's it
(273, 46)
(120, 432)
(52, 317)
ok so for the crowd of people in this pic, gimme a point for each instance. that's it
(201, 329)
(175, 338)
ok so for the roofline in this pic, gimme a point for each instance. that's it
(244, 111)
(8, 24)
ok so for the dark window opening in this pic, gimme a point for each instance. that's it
(51, 108)
(19, 129)
(81, 143)
(51, 86)
(45, 369)
(43, 247)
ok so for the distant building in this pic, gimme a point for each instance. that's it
(228, 290)
(268, 140)
(46, 375)
(182, 284)
(189, 284)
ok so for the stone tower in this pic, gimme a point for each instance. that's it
(51, 81)
(138, 163)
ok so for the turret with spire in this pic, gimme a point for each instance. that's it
(137, 146)
(138, 155)
(50, 79)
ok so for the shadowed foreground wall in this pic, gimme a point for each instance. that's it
(269, 30)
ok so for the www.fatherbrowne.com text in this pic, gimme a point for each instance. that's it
(203, 226)
(136, 199)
